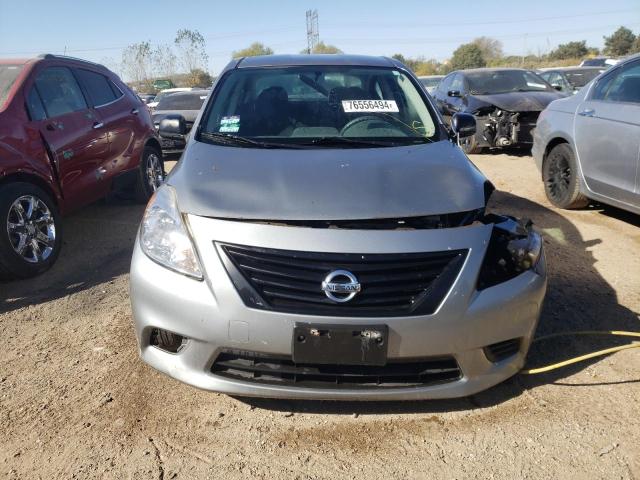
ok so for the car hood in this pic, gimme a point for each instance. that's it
(520, 101)
(326, 184)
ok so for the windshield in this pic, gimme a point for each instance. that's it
(431, 82)
(318, 105)
(8, 75)
(581, 78)
(504, 81)
(182, 101)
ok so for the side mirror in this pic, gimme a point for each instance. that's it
(454, 93)
(172, 126)
(557, 86)
(463, 124)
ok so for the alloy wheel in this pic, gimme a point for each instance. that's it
(558, 178)
(31, 229)
(154, 172)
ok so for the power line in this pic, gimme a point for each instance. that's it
(257, 33)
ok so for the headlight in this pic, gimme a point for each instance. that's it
(514, 248)
(164, 236)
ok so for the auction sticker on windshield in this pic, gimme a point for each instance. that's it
(350, 106)
(230, 124)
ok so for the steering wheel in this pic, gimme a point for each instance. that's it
(393, 121)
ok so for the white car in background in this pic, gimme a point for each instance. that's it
(162, 93)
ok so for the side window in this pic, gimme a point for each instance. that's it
(116, 90)
(457, 83)
(59, 91)
(444, 84)
(623, 85)
(34, 105)
(553, 78)
(546, 76)
(98, 87)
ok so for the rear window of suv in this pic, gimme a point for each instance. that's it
(182, 101)
(8, 75)
(100, 88)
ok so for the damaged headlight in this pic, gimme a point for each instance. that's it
(514, 248)
(164, 236)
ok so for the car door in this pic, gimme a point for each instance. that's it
(117, 119)
(452, 96)
(441, 93)
(607, 134)
(70, 129)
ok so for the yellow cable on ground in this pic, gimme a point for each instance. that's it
(581, 358)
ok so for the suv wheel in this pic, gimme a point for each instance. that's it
(30, 231)
(150, 174)
(560, 176)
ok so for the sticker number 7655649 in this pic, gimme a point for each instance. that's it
(351, 106)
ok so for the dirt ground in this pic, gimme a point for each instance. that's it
(76, 402)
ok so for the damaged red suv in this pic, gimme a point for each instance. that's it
(71, 132)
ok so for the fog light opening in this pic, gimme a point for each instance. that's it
(497, 352)
(167, 341)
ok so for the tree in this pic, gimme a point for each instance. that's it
(136, 63)
(490, 47)
(321, 47)
(191, 47)
(164, 61)
(570, 50)
(467, 55)
(619, 43)
(199, 78)
(635, 48)
(253, 50)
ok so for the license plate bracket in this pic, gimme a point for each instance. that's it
(340, 344)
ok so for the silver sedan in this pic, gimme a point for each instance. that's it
(324, 237)
(588, 146)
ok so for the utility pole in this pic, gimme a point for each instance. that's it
(313, 35)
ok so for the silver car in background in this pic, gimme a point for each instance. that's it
(324, 237)
(588, 146)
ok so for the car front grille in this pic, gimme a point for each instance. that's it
(397, 284)
(274, 370)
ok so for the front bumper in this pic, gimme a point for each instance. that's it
(213, 317)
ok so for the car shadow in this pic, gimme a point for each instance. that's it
(578, 299)
(97, 246)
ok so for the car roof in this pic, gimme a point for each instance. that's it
(489, 70)
(15, 61)
(421, 77)
(316, 59)
(574, 69)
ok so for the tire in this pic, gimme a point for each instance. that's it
(30, 231)
(470, 145)
(150, 174)
(560, 177)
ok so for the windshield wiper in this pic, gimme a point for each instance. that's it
(356, 142)
(238, 141)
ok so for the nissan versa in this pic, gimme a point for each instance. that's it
(323, 236)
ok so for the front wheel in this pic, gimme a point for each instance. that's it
(560, 176)
(150, 174)
(30, 231)
(470, 145)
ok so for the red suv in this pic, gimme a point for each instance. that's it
(70, 132)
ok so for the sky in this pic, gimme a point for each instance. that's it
(98, 30)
